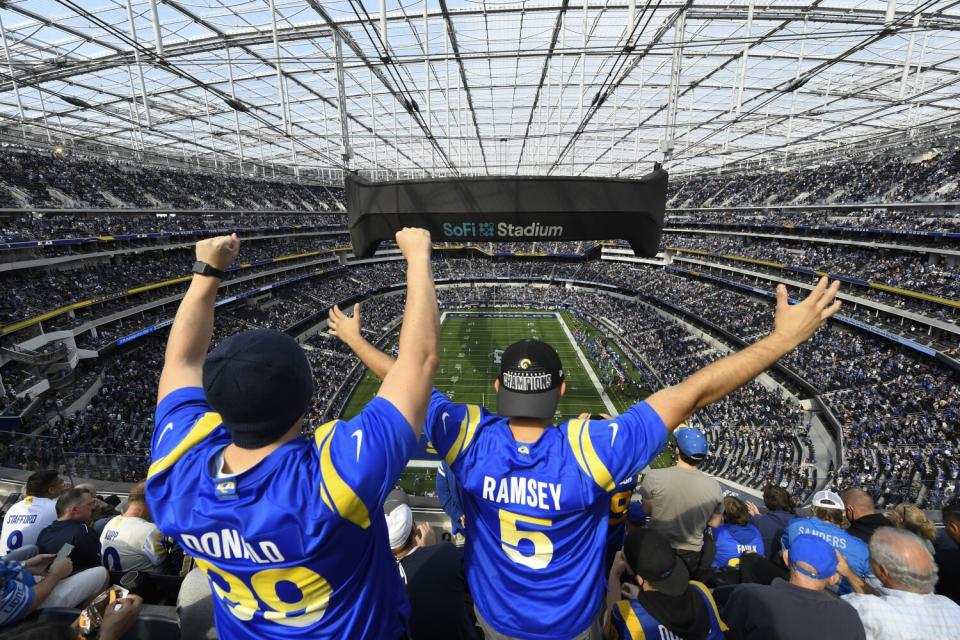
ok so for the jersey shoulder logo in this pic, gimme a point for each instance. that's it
(168, 427)
(613, 437)
(358, 434)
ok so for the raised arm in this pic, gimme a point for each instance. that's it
(193, 325)
(793, 325)
(408, 381)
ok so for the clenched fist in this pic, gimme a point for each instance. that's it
(413, 242)
(220, 251)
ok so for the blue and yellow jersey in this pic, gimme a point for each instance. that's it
(538, 511)
(855, 551)
(630, 621)
(617, 521)
(297, 545)
(733, 540)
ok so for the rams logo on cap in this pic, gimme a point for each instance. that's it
(525, 363)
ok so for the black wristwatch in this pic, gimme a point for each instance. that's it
(205, 269)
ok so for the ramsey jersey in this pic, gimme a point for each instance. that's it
(296, 546)
(855, 551)
(538, 511)
(630, 621)
(131, 544)
(617, 523)
(24, 522)
(733, 540)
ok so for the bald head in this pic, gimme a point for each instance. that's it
(858, 503)
(901, 561)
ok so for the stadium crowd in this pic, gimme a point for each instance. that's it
(35, 179)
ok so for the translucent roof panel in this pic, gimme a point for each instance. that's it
(475, 87)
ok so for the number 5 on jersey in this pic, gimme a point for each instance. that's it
(510, 538)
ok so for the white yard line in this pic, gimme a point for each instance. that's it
(586, 365)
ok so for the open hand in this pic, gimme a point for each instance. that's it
(220, 251)
(426, 536)
(795, 323)
(341, 325)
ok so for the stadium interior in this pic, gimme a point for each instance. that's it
(801, 139)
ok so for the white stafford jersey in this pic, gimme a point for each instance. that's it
(129, 543)
(24, 522)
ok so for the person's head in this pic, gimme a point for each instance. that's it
(812, 563)
(913, 519)
(654, 564)
(692, 447)
(401, 529)
(45, 483)
(857, 503)
(76, 504)
(531, 381)
(951, 519)
(776, 498)
(829, 507)
(900, 560)
(261, 385)
(735, 511)
(137, 502)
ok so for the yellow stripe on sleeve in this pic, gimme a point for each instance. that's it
(631, 621)
(598, 471)
(706, 592)
(574, 429)
(468, 429)
(335, 492)
(203, 428)
(578, 433)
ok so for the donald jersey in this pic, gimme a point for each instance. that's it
(630, 621)
(538, 511)
(854, 550)
(296, 546)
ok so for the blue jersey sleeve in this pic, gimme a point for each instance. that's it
(451, 427)
(182, 417)
(609, 450)
(361, 460)
(18, 593)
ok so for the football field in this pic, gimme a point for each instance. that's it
(470, 345)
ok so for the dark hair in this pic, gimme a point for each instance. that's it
(776, 498)
(952, 511)
(70, 498)
(137, 493)
(693, 462)
(39, 482)
(735, 510)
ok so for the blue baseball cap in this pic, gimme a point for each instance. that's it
(816, 553)
(635, 513)
(692, 442)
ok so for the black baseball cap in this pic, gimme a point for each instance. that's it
(260, 383)
(530, 379)
(650, 556)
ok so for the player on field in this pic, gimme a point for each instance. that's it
(536, 497)
(289, 530)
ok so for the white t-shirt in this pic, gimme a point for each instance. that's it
(129, 543)
(24, 522)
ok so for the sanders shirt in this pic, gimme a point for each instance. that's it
(24, 522)
(538, 511)
(296, 546)
(854, 550)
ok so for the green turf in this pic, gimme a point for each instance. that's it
(467, 368)
(470, 343)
